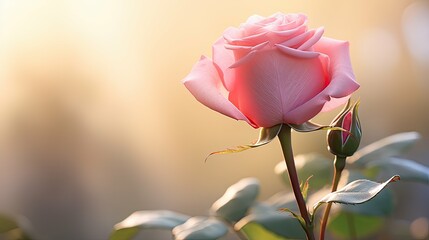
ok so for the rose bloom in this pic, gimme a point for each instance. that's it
(273, 70)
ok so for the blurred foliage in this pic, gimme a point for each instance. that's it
(366, 206)
(10, 229)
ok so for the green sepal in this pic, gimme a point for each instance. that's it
(311, 127)
(266, 135)
(339, 146)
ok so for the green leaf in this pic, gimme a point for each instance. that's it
(381, 205)
(266, 135)
(254, 231)
(313, 165)
(11, 229)
(7, 224)
(356, 192)
(268, 223)
(304, 188)
(237, 200)
(200, 228)
(393, 145)
(124, 233)
(161, 219)
(282, 200)
(351, 226)
(407, 169)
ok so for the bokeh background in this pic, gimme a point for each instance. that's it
(95, 123)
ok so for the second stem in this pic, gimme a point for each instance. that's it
(339, 164)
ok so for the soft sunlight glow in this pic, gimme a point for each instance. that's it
(95, 123)
(415, 25)
(419, 228)
(380, 51)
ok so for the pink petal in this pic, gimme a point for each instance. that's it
(290, 32)
(298, 40)
(250, 40)
(306, 111)
(334, 103)
(246, 48)
(245, 55)
(313, 39)
(224, 58)
(296, 53)
(273, 83)
(347, 123)
(292, 21)
(205, 84)
(243, 59)
(342, 77)
(340, 87)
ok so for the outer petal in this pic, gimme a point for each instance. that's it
(343, 82)
(339, 89)
(272, 83)
(224, 58)
(204, 82)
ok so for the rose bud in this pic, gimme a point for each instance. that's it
(344, 143)
(273, 70)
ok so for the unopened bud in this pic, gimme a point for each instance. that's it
(344, 143)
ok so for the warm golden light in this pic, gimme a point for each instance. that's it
(95, 123)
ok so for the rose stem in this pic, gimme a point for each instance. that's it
(339, 164)
(286, 144)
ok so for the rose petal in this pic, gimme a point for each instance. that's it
(342, 77)
(243, 59)
(346, 124)
(341, 86)
(246, 48)
(273, 83)
(306, 111)
(298, 40)
(246, 53)
(313, 39)
(205, 84)
(224, 58)
(250, 40)
(334, 103)
(296, 53)
(292, 21)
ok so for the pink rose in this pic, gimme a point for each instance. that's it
(273, 70)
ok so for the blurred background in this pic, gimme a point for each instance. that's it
(95, 123)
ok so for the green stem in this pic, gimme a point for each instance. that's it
(351, 223)
(286, 144)
(339, 164)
